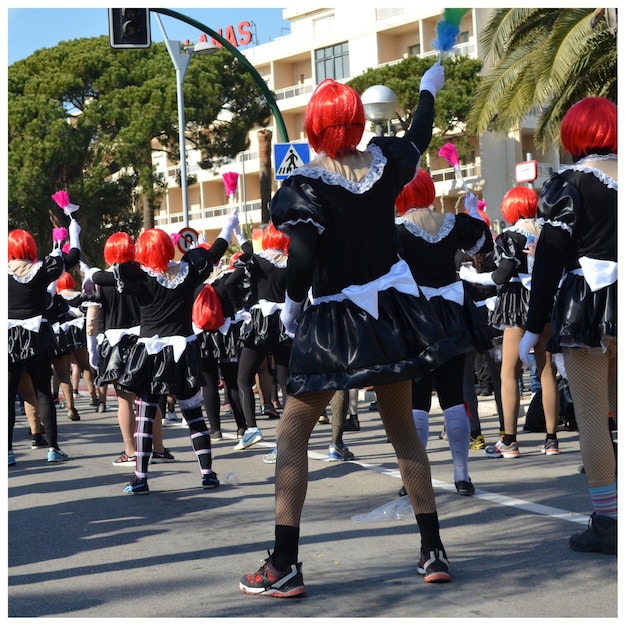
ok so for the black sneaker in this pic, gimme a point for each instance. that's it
(137, 487)
(600, 536)
(39, 441)
(434, 567)
(465, 487)
(268, 581)
(210, 481)
(352, 424)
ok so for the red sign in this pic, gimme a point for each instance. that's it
(241, 37)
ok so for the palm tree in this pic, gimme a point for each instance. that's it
(545, 59)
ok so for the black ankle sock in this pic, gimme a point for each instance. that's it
(286, 547)
(429, 530)
(507, 440)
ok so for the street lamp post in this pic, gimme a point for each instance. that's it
(380, 104)
(181, 60)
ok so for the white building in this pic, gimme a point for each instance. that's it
(326, 43)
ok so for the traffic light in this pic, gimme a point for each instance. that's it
(129, 28)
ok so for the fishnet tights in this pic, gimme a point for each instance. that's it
(592, 380)
(294, 430)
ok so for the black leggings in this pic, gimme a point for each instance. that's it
(40, 371)
(249, 363)
(447, 380)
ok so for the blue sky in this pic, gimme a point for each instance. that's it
(29, 29)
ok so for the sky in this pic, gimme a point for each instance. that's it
(35, 27)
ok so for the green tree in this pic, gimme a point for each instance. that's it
(87, 118)
(453, 101)
(543, 58)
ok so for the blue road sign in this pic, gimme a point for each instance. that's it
(289, 156)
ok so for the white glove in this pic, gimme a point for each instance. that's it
(74, 232)
(471, 205)
(239, 235)
(227, 231)
(433, 79)
(528, 342)
(470, 275)
(83, 267)
(89, 274)
(52, 288)
(92, 349)
(243, 315)
(289, 314)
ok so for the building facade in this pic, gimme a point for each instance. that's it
(331, 43)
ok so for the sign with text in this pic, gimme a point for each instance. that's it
(526, 172)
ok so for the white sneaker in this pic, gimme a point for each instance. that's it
(250, 437)
(172, 420)
(337, 452)
(271, 457)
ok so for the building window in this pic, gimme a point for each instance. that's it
(463, 37)
(332, 62)
(415, 50)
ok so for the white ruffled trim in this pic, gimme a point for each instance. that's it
(276, 257)
(31, 273)
(542, 222)
(446, 228)
(285, 225)
(373, 175)
(582, 166)
(164, 280)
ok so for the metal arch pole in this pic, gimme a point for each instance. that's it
(258, 79)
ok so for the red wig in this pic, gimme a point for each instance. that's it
(119, 248)
(418, 194)
(231, 263)
(274, 239)
(65, 281)
(22, 246)
(519, 203)
(590, 127)
(154, 249)
(335, 119)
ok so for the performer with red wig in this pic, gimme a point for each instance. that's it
(429, 241)
(578, 246)
(366, 323)
(257, 285)
(165, 360)
(513, 279)
(32, 342)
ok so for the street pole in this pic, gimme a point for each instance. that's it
(181, 63)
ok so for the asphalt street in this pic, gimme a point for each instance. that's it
(79, 547)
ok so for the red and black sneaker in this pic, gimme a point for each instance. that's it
(268, 581)
(434, 567)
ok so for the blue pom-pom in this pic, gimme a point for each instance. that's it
(446, 36)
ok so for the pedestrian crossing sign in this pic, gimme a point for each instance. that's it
(289, 156)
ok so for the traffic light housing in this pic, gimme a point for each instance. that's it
(129, 28)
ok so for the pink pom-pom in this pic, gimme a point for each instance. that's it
(449, 153)
(230, 182)
(59, 234)
(481, 205)
(175, 237)
(66, 248)
(61, 198)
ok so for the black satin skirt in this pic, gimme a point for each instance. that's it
(582, 316)
(113, 359)
(25, 344)
(511, 306)
(338, 345)
(263, 330)
(222, 347)
(71, 339)
(160, 374)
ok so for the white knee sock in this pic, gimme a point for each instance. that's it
(420, 419)
(458, 431)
